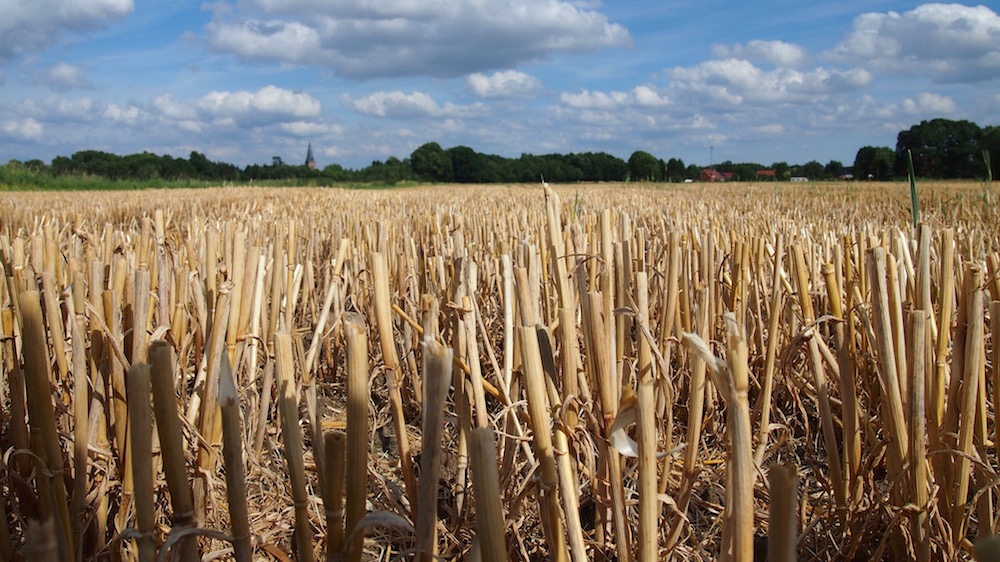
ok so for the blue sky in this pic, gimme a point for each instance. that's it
(244, 80)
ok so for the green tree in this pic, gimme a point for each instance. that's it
(203, 167)
(834, 168)
(62, 166)
(430, 162)
(675, 169)
(35, 165)
(782, 171)
(467, 165)
(813, 170)
(643, 166)
(875, 162)
(941, 148)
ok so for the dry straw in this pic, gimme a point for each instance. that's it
(828, 326)
(437, 378)
(232, 450)
(292, 436)
(168, 426)
(141, 425)
(357, 434)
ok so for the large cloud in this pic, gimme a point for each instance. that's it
(60, 108)
(27, 129)
(777, 53)
(269, 104)
(359, 38)
(503, 84)
(948, 42)
(929, 104)
(237, 126)
(734, 82)
(397, 104)
(38, 24)
(295, 112)
(640, 96)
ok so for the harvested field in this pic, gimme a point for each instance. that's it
(594, 372)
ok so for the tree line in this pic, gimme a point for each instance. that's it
(940, 148)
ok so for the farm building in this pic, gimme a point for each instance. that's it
(709, 174)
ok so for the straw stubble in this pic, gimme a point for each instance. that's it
(357, 435)
(291, 434)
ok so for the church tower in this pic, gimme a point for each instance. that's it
(310, 161)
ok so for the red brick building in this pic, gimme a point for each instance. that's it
(709, 174)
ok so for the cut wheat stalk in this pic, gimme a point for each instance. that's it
(917, 450)
(847, 387)
(232, 450)
(437, 380)
(393, 375)
(357, 435)
(888, 377)
(490, 522)
(995, 338)
(648, 539)
(541, 422)
(140, 437)
(771, 353)
(81, 414)
(837, 480)
(209, 404)
(42, 422)
(740, 469)
(237, 273)
(696, 401)
(119, 405)
(335, 449)
(939, 374)
(969, 396)
(292, 436)
(168, 426)
(782, 525)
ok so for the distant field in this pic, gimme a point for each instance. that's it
(783, 350)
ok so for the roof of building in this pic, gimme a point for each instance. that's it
(709, 174)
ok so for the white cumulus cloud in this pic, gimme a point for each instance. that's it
(640, 96)
(948, 42)
(268, 104)
(27, 129)
(777, 53)
(63, 77)
(734, 81)
(647, 96)
(169, 107)
(128, 115)
(360, 38)
(503, 84)
(27, 26)
(60, 108)
(929, 104)
(401, 104)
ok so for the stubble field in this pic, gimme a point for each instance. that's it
(593, 372)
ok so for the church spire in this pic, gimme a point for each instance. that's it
(310, 161)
